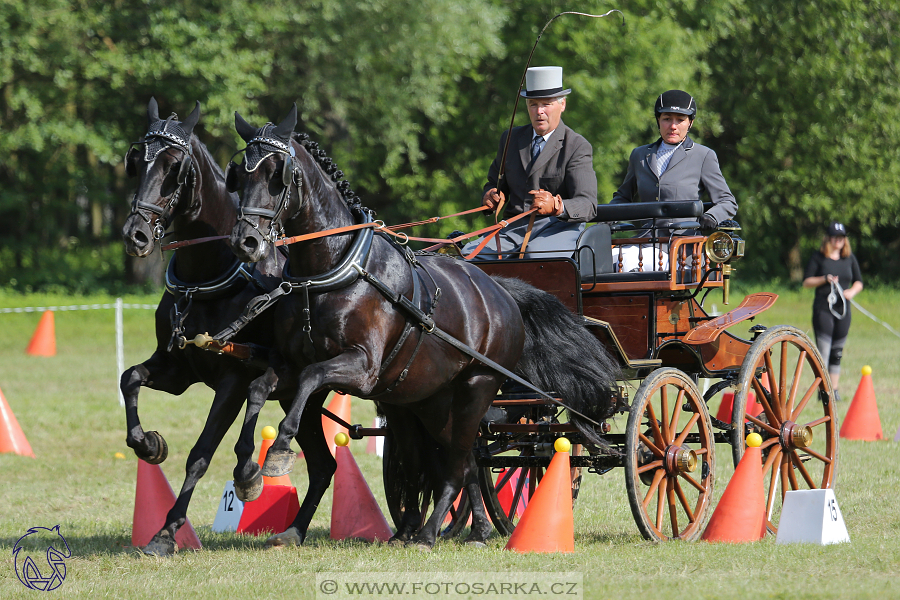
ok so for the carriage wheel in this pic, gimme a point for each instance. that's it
(392, 474)
(670, 457)
(798, 422)
(506, 492)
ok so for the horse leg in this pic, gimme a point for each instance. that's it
(248, 482)
(481, 524)
(224, 410)
(159, 372)
(320, 466)
(407, 452)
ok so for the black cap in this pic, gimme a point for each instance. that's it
(675, 101)
(837, 230)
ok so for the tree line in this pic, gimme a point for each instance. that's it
(798, 98)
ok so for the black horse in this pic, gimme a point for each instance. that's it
(371, 318)
(179, 184)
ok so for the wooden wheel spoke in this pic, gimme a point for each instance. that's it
(501, 483)
(815, 386)
(818, 422)
(789, 405)
(656, 451)
(803, 472)
(682, 497)
(656, 464)
(701, 451)
(762, 424)
(676, 411)
(657, 477)
(693, 482)
(661, 502)
(769, 442)
(785, 468)
(517, 496)
(773, 483)
(664, 416)
(687, 429)
(673, 507)
(654, 425)
(773, 386)
(768, 408)
(815, 454)
(789, 469)
(781, 399)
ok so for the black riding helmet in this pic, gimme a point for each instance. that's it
(675, 101)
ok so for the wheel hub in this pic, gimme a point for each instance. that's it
(794, 435)
(680, 460)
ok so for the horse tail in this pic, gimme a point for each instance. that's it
(562, 356)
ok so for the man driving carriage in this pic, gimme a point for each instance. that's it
(548, 167)
(674, 168)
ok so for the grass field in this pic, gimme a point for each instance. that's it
(68, 408)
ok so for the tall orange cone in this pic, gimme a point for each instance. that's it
(153, 498)
(862, 421)
(354, 512)
(339, 406)
(11, 437)
(547, 525)
(43, 342)
(741, 513)
(268, 434)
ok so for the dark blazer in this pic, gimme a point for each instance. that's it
(692, 171)
(564, 167)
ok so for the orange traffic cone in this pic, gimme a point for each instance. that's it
(741, 513)
(274, 510)
(547, 525)
(268, 434)
(153, 498)
(862, 421)
(43, 342)
(11, 437)
(753, 406)
(340, 407)
(354, 512)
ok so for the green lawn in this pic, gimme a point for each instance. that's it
(68, 407)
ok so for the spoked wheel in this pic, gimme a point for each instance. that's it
(798, 423)
(670, 457)
(507, 490)
(393, 476)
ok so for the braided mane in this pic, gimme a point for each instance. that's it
(331, 169)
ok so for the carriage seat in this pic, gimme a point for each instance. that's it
(595, 250)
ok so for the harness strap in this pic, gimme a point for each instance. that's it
(253, 309)
(527, 235)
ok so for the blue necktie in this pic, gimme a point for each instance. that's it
(536, 146)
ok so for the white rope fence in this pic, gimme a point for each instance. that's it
(119, 307)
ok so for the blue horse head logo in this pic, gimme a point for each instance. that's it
(42, 578)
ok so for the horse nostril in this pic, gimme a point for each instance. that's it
(250, 244)
(139, 238)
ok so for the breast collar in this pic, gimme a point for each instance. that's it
(344, 273)
(235, 276)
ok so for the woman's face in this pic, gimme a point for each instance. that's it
(837, 241)
(673, 127)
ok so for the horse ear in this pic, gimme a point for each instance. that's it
(244, 129)
(231, 177)
(189, 123)
(286, 127)
(152, 111)
(130, 162)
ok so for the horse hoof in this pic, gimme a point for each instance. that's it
(162, 448)
(160, 546)
(278, 463)
(397, 542)
(475, 544)
(289, 538)
(248, 491)
(423, 547)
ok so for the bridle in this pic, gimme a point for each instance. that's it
(290, 174)
(185, 171)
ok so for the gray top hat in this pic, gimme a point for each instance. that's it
(544, 82)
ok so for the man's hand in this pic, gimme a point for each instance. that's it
(546, 203)
(492, 198)
(708, 223)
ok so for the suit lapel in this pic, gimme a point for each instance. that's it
(680, 153)
(525, 135)
(651, 158)
(551, 148)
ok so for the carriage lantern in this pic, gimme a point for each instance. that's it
(722, 246)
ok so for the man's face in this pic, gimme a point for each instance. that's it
(673, 127)
(545, 113)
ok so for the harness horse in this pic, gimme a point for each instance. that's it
(431, 339)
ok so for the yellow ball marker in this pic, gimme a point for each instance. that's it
(754, 440)
(562, 445)
(341, 438)
(867, 370)
(269, 432)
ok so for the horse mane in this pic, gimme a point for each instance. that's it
(331, 169)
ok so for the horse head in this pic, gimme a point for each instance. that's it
(164, 163)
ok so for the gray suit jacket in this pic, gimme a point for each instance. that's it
(692, 171)
(564, 167)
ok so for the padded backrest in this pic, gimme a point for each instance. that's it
(649, 210)
(595, 250)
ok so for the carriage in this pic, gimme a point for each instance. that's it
(654, 322)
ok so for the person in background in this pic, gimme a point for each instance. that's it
(548, 167)
(674, 168)
(834, 272)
